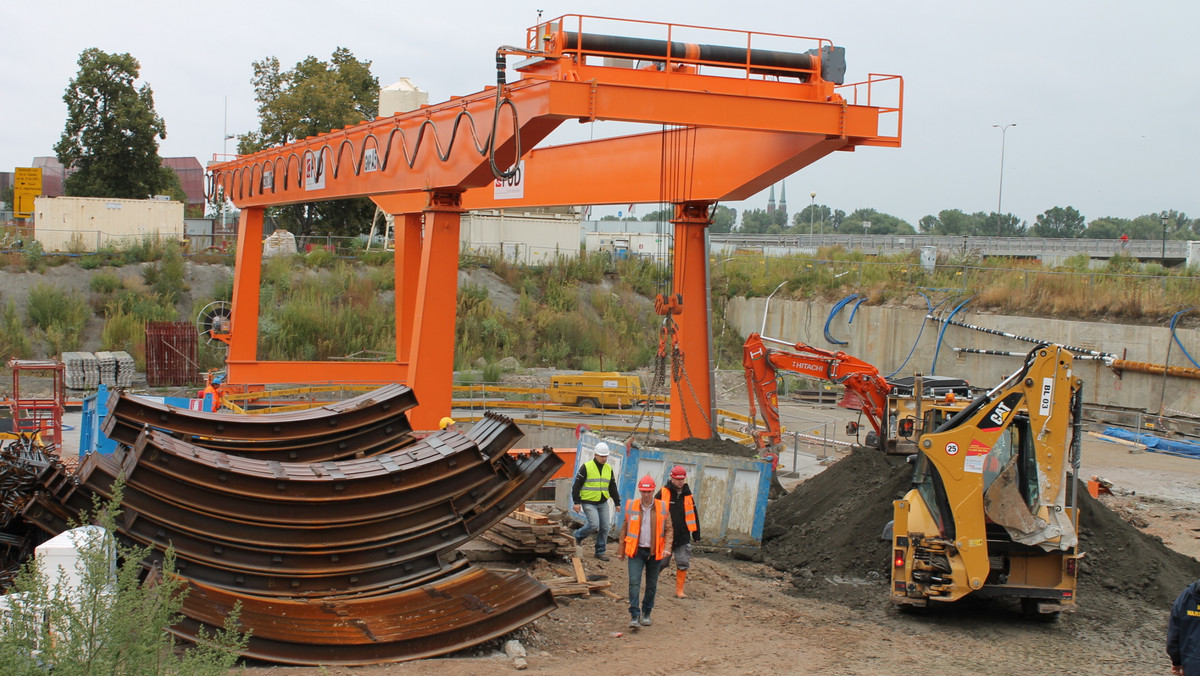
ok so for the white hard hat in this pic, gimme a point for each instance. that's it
(602, 449)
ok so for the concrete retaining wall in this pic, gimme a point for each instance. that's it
(885, 335)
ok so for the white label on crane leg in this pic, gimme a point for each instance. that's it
(1047, 396)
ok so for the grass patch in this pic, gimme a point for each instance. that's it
(60, 316)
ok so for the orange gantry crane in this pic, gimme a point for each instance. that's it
(735, 112)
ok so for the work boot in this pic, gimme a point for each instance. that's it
(680, 578)
(633, 621)
(602, 556)
(646, 620)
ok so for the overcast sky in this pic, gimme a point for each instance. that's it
(1105, 95)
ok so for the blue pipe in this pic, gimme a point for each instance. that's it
(930, 307)
(1174, 337)
(942, 333)
(837, 307)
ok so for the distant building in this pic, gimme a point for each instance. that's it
(189, 170)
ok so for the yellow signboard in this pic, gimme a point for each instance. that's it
(27, 185)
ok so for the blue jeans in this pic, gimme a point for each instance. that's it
(598, 515)
(642, 561)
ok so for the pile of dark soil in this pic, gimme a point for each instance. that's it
(714, 446)
(1123, 560)
(826, 533)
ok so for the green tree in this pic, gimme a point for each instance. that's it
(755, 221)
(881, 223)
(110, 138)
(1108, 227)
(310, 99)
(660, 216)
(1059, 222)
(952, 222)
(815, 215)
(723, 219)
(1000, 225)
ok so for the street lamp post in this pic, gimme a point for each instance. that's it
(1163, 216)
(812, 208)
(1003, 133)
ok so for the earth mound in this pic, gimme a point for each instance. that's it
(826, 534)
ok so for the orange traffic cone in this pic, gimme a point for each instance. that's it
(680, 578)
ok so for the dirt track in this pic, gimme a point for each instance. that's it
(829, 613)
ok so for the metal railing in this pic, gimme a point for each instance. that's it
(1026, 247)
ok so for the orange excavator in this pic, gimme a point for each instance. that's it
(865, 389)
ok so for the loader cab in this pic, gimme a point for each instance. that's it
(1016, 440)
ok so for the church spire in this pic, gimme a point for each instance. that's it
(783, 200)
(771, 202)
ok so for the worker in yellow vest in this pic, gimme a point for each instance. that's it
(678, 496)
(646, 543)
(594, 484)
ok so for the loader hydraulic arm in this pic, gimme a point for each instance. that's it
(865, 389)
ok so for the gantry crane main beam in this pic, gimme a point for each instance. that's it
(733, 117)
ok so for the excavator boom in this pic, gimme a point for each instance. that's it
(865, 389)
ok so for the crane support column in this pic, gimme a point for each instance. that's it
(407, 261)
(246, 282)
(691, 381)
(431, 355)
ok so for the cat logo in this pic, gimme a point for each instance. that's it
(999, 413)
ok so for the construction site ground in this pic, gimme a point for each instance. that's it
(817, 601)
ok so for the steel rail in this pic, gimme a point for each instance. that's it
(428, 462)
(459, 611)
(391, 432)
(317, 422)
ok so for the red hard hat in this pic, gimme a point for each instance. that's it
(678, 472)
(646, 484)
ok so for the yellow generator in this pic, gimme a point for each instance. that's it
(992, 510)
(596, 389)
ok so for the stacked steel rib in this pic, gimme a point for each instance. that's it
(346, 557)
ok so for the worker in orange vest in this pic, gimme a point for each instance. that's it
(678, 496)
(645, 543)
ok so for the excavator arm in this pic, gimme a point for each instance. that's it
(865, 389)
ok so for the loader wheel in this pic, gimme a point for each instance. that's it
(589, 402)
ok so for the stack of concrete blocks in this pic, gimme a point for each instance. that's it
(82, 370)
(116, 369)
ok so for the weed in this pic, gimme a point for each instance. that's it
(14, 341)
(33, 256)
(115, 620)
(105, 282)
(492, 372)
(166, 277)
(61, 316)
(319, 257)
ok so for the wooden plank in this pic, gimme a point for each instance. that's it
(580, 576)
(531, 517)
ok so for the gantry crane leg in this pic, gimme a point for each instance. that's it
(691, 383)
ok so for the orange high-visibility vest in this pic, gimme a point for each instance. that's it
(633, 516)
(689, 508)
